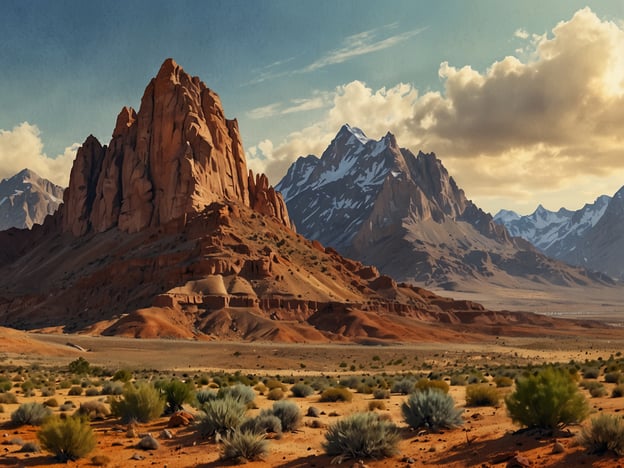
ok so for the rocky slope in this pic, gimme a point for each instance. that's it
(591, 237)
(164, 233)
(26, 199)
(403, 213)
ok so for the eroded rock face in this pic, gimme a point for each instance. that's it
(174, 156)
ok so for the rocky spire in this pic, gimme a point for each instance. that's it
(176, 155)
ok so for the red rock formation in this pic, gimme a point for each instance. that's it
(174, 156)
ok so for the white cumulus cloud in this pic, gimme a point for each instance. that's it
(545, 121)
(21, 147)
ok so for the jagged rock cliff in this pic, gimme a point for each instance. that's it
(174, 156)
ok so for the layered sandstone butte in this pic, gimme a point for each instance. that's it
(174, 156)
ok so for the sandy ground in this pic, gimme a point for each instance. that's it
(487, 438)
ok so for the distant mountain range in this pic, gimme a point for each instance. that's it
(384, 205)
(592, 237)
(26, 199)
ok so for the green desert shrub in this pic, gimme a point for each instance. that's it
(203, 396)
(606, 433)
(8, 398)
(549, 398)
(51, 403)
(240, 392)
(242, 446)
(5, 384)
(591, 373)
(287, 412)
(80, 366)
(92, 391)
(431, 409)
(301, 390)
(598, 391)
(67, 439)
(274, 383)
(275, 394)
(123, 375)
(614, 377)
(459, 380)
(222, 416)
(503, 381)
(618, 391)
(423, 384)
(93, 410)
(75, 391)
(176, 394)
(381, 394)
(262, 424)
(404, 386)
(141, 403)
(30, 413)
(336, 394)
(361, 435)
(481, 394)
(112, 388)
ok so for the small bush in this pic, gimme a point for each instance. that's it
(203, 396)
(361, 435)
(8, 398)
(376, 405)
(239, 392)
(287, 412)
(301, 390)
(30, 447)
(404, 387)
(431, 409)
(242, 446)
(606, 433)
(481, 395)
(48, 391)
(75, 391)
(598, 391)
(503, 381)
(94, 410)
(381, 394)
(5, 384)
(1, 409)
(123, 375)
(424, 384)
(275, 394)
(263, 424)
(80, 366)
(547, 399)
(459, 380)
(222, 416)
(591, 373)
(92, 391)
(51, 403)
(142, 403)
(67, 439)
(271, 384)
(313, 412)
(177, 393)
(112, 388)
(336, 394)
(618, 391)
(30, 413)
(614, 377)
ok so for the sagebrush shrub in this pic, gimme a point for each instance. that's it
(262, 424)
(591, 373)
(618, 391)
(547, 399)
(76, 390)
(301, 390)
(336, 394)
(404, 386)
(141, 403)
(376, 405)
(242, 446)
(287, 412)
(431, 409)
(481, 395)
(67, 439)
(8, 398)
(423, 384)
(112, 388)
(93, 410)
(275, 394)
(381, 394)
(503, 381)
(614, 377)
(30, 413)
(240, 392)
(222, 416)
(203, 396)
(361, 435)
(606, 433)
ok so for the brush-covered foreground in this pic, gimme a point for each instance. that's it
(288, 433)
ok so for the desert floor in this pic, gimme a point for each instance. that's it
(487, 438)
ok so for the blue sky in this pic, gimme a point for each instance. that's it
(280, 66)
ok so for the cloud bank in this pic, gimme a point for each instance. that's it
(22, 148)
(547, 121)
